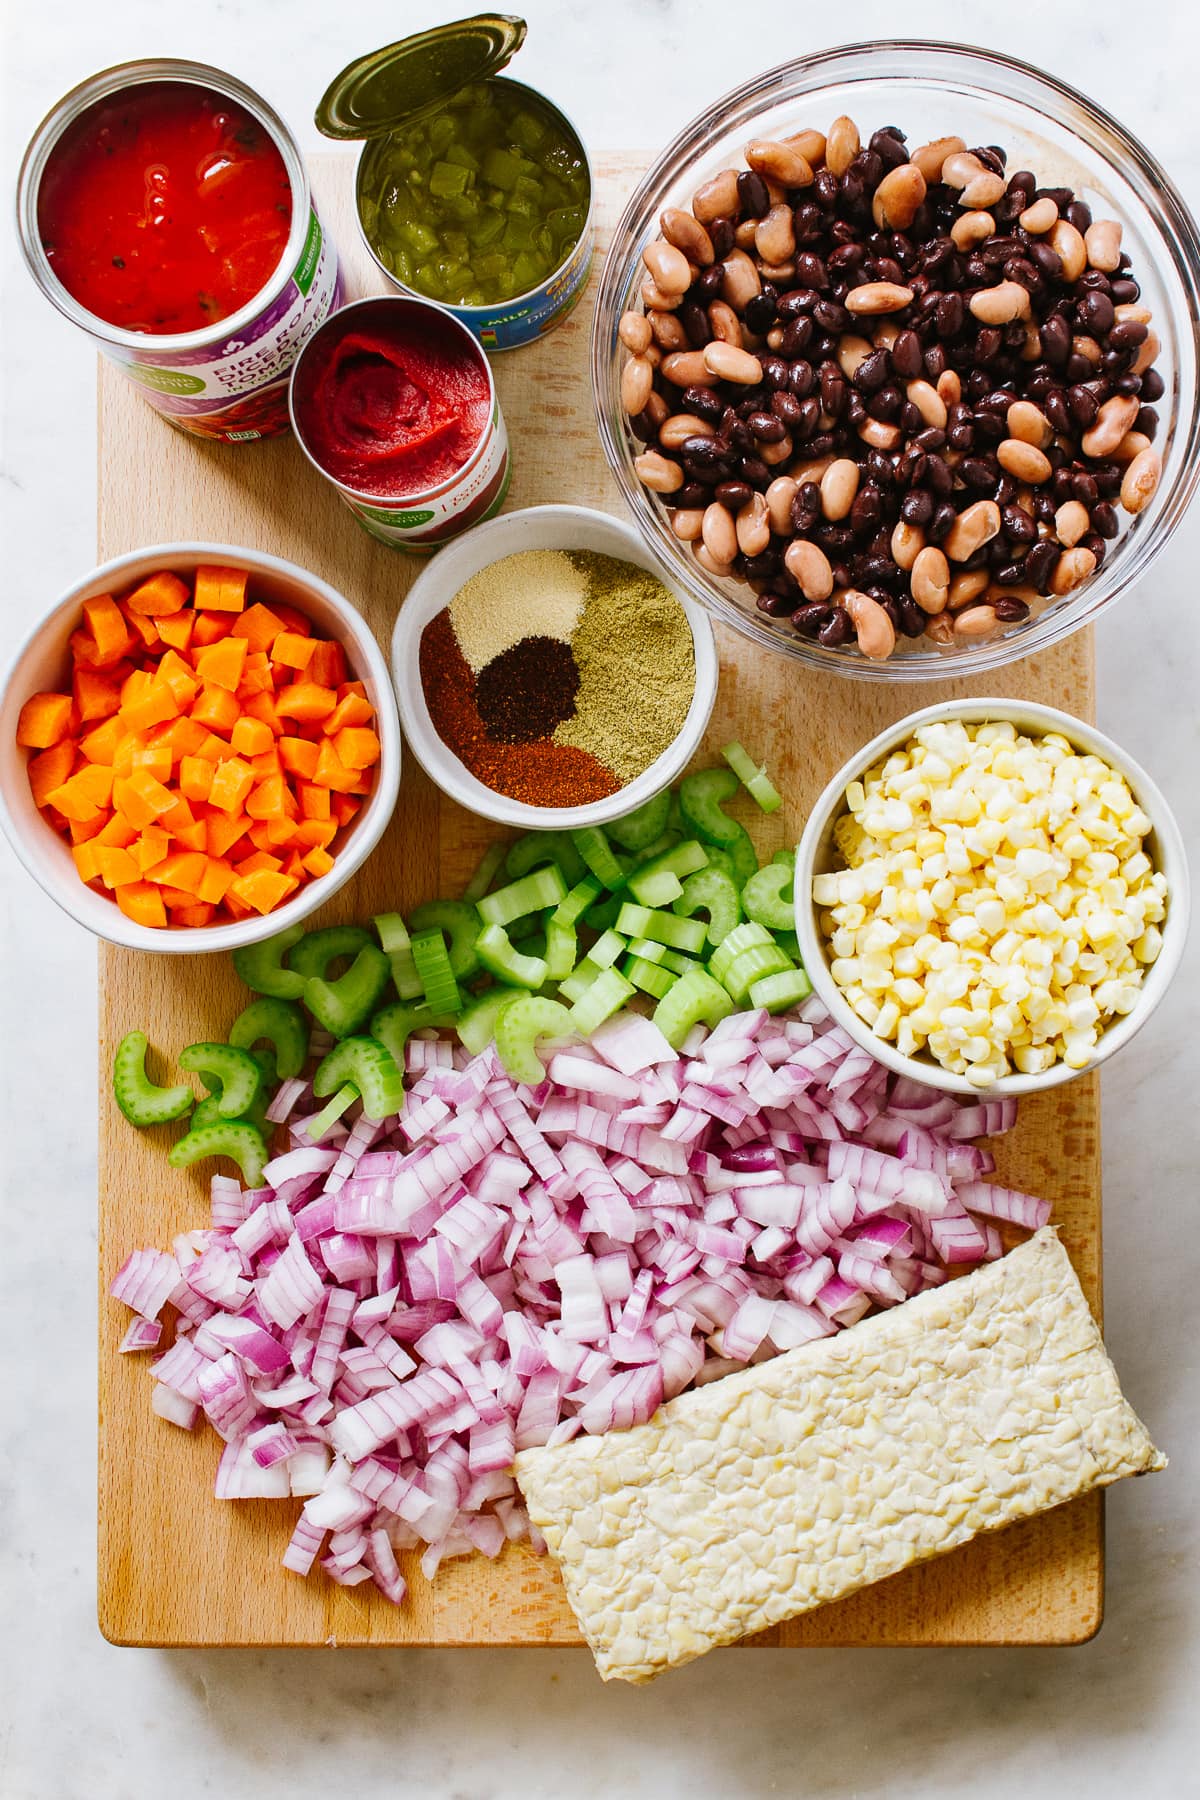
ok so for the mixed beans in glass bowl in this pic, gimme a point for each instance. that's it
(894, 363)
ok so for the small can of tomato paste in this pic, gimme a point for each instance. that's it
(394, 402)
(473, 190)
(164, 208)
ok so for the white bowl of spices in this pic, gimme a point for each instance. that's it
(548, 674)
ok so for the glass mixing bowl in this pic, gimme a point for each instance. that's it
(931, 90)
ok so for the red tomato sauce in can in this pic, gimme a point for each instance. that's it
(164, 208)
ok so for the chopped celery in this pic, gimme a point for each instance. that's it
(570, 909)
(534, 892)
(788, 987)
(711, 891)
(751, 966)
(607, 994)
(392, 1026)
(648, 976)
(317, 951)
(604, 913)
(518, 1029)
(459, 921)
(597, 853)
(664, 928)
(397, 946)
(742, 937)
(767, 897)
(695, 999)
(485, 874)
(640, 828)
(753, 777)
(231, 1072)
(538, 847)
(283, 1026)
(328, 1117)
(437, 976)
(500, 956)
(700, 797)
(368, 1066)
(605, 951)
(262, 969)
(476, 1024)
(562, 948)
(138, 1098)
(656, 887)
(343, 1005)
(647, 949)
(234, 1138)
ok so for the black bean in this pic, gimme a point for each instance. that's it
(941, 522)
(806, 507)
(809, 619)
(867, 509)
(732, 494)
(833, 390)
(691, 494)
(775, 605)
(695, 323)
(704, 403)
(1046, 261)
(1019, 525)
(643, 427)
(776, 371)
(754, 199)
(1096, 314)
(872, 372)
(822, 443)
(1104, 519)
(707, 284)
(837, 629)
(979, 472)
(1056, 340)
(756, 471)
(1079, 213)
(1147, 422)
(767, 428)
(723, 232)
(1008, 609)
(830, 316)
(1039, 564)
(1083, 404)
(811, 272)
(705, 452)
(760, 312)
(1124, 291)
(1009, 574)
(796, 302)
(916, 508)
(1054, 405)
(1153, 385)
(950, 315)
(886, 405)
(1095, 543)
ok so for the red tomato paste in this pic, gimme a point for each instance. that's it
(165, 208)
(395, 409)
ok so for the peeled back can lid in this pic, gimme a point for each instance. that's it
(390, 87)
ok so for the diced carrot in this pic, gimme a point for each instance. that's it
(150, 848)
(105, 623)
(232, 782)
(351, 709)
(86, 857)
(128, 744)
(220, 589)
(160, 594)
(217, 708)
(222, 663)
(87, 655)
(199, 914)
(328, 665)
(292, 650)
(116, 867)
(184, 735)
(75, 803)
(182, 869)
(100, 744)
(250, 737)
(141, 798)
(210, 628)
(305, 700)
(262, 706)
(267, 799)
(357, 747)
(222, 832)
(317, 862)
(314, 801)
(259, 859)
(44, 720)
(260, 835)
(195, 777)
(259, 626)
(345, 806)
(280, 832)
(332, 771)
(50, 769)
(176, 628)
(215, 881)
(157, 758)
(314, 834)
(96, 696)
(194, 836)
(179, 678)
(155, 705)
(298, 756)
(174, 898)
(255, 681)
(143, 628)
(141, 902)
(81, 831)
(118, 832)
(179, 815)
(263, 890)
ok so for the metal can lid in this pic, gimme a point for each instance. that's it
(390, 87)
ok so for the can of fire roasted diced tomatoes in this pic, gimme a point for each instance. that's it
(164, 208)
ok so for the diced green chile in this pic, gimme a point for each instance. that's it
(458, 921)
(711, 891)
(234, 1074)
(318, 950)
(282, 1025)
(140, 1099)
(234, 1138)
(363, 1063)
(261, 966)
(343, 1005)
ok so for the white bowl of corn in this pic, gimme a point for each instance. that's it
(991, 897)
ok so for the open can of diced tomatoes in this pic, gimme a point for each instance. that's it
(164, 208)
(472, 190)
(394, 402)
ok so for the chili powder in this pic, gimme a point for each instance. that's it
(539, 771)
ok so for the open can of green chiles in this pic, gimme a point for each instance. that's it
(473, 190)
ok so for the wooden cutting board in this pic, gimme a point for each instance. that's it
(177, 1566)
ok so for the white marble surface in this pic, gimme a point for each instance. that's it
(78, 1717)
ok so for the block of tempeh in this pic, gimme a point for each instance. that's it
(772, 1491)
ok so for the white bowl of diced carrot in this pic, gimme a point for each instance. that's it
(198, 746)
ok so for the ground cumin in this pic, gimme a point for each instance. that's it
(637, 667)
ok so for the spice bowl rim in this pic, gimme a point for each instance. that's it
(434, 588)
(1165, 846)
(1072, 126)
(42, 660)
